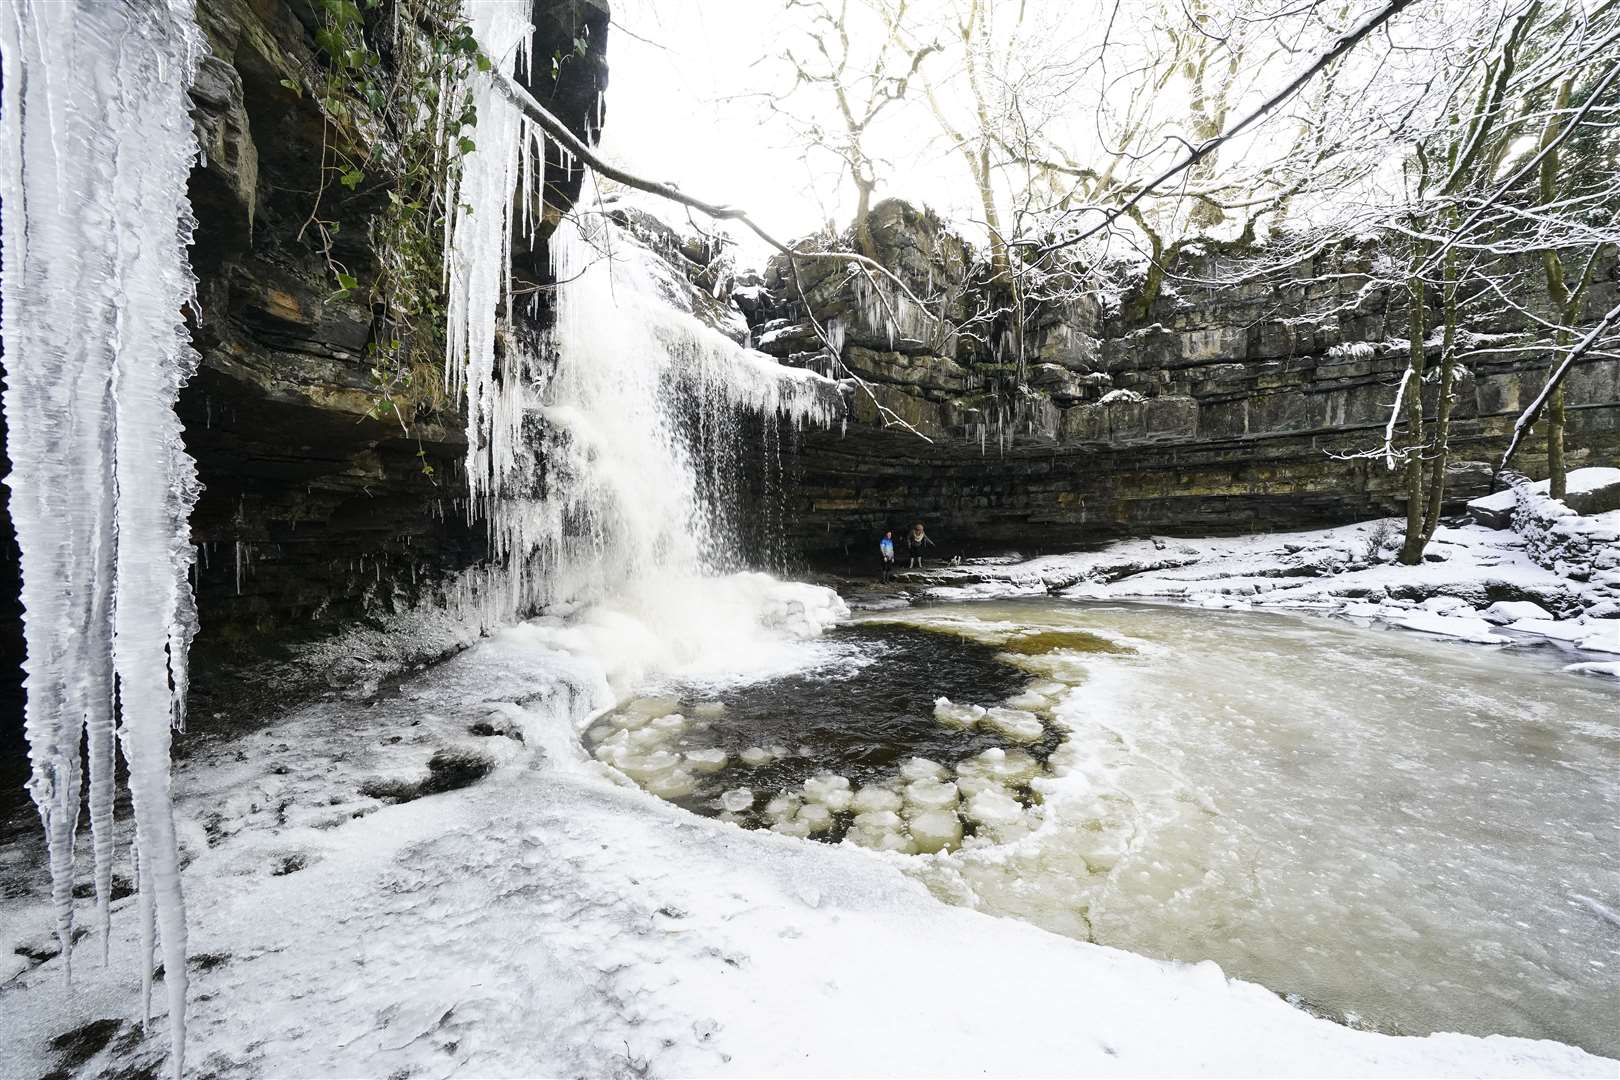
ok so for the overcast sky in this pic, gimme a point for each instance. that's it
(675, 113)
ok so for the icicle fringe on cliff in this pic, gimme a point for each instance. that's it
(97, 144)
(601, 453)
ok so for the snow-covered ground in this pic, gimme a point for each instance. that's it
(551, 919)
(1476, 584)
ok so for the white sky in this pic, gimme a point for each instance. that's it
(686, 76)
(669, 117)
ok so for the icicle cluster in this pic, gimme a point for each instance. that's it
(607, 451)
(96, 144)
(509, 151)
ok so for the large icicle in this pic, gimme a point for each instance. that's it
(478, 251)
(97, 145)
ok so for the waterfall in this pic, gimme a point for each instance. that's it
(96, 145)
(604, 451)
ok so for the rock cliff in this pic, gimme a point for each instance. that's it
(1209, 409)
(316, 514)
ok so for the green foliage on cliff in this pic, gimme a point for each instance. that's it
(390, 88)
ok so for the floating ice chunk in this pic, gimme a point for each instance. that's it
(643, 767)
(879, 821)
(993, 807)
(1443, 605)
(651, 707)
(1049, 688)
(675, 784)
(646, 740)
(791, 827)
(896, 842)
(882, 840)
(737, 800)
(957, 716)
(830, 790)
(1063, 760)
(629, 721)
(816, 817)
(1008, 766)
(923, 796)
(1016, 724)
(873, 798)
(779, 751)
(672, 724)
(706, 761)
(784, 805)
(756, 756)
(970, 783)
(709, 708)
(937, 830)
(1029, 700)
(921, 769)
(598, 733)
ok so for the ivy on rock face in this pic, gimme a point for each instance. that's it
(391, 88)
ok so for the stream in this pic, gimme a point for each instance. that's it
(1399, 833)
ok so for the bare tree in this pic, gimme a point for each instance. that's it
(862, 83)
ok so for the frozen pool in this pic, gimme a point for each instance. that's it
(1404, 833)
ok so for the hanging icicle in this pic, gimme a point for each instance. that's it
(96, 145)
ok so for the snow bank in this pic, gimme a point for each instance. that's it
(1476, 584)
(551, 920)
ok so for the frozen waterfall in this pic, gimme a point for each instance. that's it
(603, 451)
(96, 142)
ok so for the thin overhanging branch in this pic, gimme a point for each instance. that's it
(514, 92)
(1347, 41)
(539, 114)
(1528, 418)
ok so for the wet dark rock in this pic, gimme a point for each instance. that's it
(43, 947)
(78, 1046)
(456, 767)
(495, 724)
(289, 864)
(207, 961)
(449, 768)
(121, 887)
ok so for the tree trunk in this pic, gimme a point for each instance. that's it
(1442, 408)
(864, 243)
(1556, 481)
(1412, 546)
(1566, 304)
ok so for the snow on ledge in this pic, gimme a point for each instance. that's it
(1476, 584)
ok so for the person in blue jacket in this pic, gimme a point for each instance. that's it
(886, 549)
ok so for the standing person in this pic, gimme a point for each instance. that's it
(915, 544)
(886, 549)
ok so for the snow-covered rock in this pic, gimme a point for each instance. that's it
(1508, 611)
